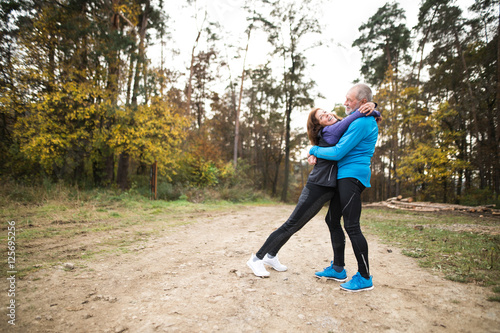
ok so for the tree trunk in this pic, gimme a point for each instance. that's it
(110, 168)
(276, 174)
(112, 87)
(237, 121)
(497, 139)
(122, 173)
(124, 159)
(191, 68)
(129, 79)
(469, 86)
(288, 116)
(389, 178)
(135, 90)
(52, 65)
(113, 68)
(142, 34)
(445, 190)
(472, 104)
(140, 59)
(277, 170)
(284, 194)
(191, 72)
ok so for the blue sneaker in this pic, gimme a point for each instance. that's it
(332, 274)
(358, 283)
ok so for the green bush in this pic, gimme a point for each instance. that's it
(225, 183)
(478, 197)
(168, 191)
(37, 193)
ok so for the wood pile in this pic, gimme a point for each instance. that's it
(409, 204)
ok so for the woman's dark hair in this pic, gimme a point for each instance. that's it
(313, 126)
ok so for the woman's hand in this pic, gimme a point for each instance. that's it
(367, 108)
(312, 160)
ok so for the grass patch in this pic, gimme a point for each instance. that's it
(64, 224)
(494, 298)
(455, 245)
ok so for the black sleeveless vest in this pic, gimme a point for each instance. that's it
(324, 172)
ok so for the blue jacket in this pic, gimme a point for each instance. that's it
(324, 172)
(354, 150)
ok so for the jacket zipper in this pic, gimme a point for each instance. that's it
(330, 174)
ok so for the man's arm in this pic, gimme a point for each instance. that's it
(347, 142)
(332, 133)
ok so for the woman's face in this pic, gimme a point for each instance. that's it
(325, 118)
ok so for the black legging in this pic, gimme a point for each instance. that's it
(347, 202)
(311, 200)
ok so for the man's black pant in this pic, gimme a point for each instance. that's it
(347, 203)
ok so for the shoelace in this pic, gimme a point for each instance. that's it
(356, 279)
(331, 266)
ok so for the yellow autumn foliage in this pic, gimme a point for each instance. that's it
(150, 132)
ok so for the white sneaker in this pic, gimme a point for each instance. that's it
(257, 266)
(274, 263)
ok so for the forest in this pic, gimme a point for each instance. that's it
(84, 100)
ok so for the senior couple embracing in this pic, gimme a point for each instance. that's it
(341, 157)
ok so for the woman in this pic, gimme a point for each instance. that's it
(323, 129)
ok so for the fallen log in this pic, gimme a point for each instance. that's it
(409, 204)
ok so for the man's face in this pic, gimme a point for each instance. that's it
(351, 102)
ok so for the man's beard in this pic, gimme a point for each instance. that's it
(351, 110)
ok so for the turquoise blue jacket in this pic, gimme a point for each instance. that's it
(353, 151)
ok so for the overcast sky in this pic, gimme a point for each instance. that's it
(333, 66)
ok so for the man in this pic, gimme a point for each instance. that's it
(353, 153)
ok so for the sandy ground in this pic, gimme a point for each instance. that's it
(194, 278)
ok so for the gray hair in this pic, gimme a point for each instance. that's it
(362, 91)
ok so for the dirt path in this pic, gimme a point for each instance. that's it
(194, 279)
